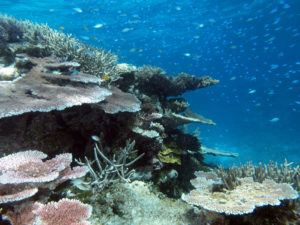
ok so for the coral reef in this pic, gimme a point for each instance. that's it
(40, 41)
(284, 173)
(137, 203)
(63, 212)
(57, 92)
(243, 199)
(164, 86)
(39, 90)
(23, 173)
(114, 170)
(215, 152)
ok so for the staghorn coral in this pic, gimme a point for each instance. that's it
(23, 173)
(283, 173)
(243, 199)
(113, 170)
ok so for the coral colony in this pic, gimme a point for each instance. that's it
(126, 127)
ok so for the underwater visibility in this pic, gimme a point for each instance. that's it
(149, 112)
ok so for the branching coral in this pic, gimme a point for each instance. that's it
(44, 41)
(112, 170)
(284, 173)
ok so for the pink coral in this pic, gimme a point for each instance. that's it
(64, 212)
(22, 173)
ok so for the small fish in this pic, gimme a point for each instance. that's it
(61, 27)
(126, 29)
(95, 138)
(85, 38)
(274, 66)
(79, 10)
(187, 54)
(251, 91)
(275, 119)
(106, 78)
(98, 25)
(74, 73)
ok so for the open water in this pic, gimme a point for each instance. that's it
(252, 47)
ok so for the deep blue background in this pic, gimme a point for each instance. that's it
(252, 47)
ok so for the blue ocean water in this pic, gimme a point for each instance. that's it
(252, 47)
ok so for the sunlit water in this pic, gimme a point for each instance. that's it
(252, 47)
